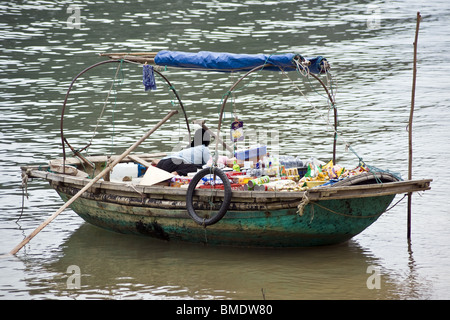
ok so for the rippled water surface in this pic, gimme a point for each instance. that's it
(369, 47)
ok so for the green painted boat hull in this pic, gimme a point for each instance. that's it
(320, 216)
(323, 222)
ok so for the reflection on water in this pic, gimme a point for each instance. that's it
(130, 267)
(369, 47)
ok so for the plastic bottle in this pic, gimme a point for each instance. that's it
(263, 168)
(236, 167)
(257, 171)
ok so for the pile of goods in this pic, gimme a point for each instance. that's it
(255, 170)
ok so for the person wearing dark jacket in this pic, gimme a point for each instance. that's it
(190, 159)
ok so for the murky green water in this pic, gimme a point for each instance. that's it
(369, 46)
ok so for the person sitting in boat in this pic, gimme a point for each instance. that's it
(189, 159)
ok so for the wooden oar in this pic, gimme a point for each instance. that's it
(92, 182)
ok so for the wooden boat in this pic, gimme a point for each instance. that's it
(323, 215)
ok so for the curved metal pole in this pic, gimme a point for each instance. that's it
(179, 100)
(63, 139)
(261, 67)
(65, 102)
(225, 102)
(335, 115)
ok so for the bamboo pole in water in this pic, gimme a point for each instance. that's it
(91, 183)
(410, 122)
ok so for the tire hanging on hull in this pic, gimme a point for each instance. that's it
(226, 199)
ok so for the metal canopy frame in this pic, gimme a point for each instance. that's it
(64, 140)
(330, 97)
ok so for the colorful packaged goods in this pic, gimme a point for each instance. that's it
(280, 185)
(210, 179)
(233, 174)
(258, 181)
(236, 167)
(234, 186)
(243, 180)
(270, 174)
(292, 174)
(328, 173)
(222, 161)
(180, 181)
(237, 131)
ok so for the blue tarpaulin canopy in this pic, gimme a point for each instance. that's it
(221, 61)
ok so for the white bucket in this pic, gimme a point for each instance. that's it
(122, 170)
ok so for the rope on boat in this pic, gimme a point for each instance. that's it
(396, 203)
(327, 121)
(204, 228)
(301, 206)
(305, 201)
(115, 103)
(132, 186)
(119, 68)
(24, 188)
(344, 214)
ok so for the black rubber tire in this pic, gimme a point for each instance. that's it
(226, 199)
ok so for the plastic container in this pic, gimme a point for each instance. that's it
(141, 170)
(302, 171)
(253, 154)
(122, 170)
